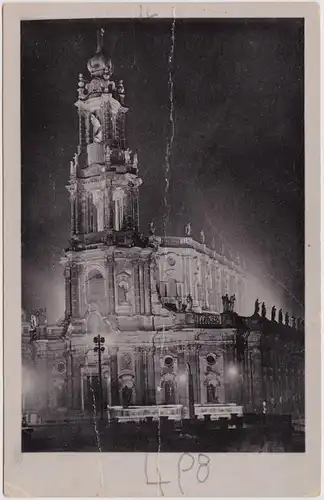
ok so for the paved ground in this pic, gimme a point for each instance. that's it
(85, 437)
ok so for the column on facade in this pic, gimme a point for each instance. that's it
(106, 210)
(186, 286)
(139, 376)
(203, 389)
(153, 375)
(182, 393)
(193, 360)
(73, 213)
(111, 285)
(136, 210)
(74, 290)
(41, 359)
(255, 366)
(147, 287)
(67, 278)
(141, 287)
(137, 293)
(229, 361)
(82, 130)
(87, 128)
(107, 386)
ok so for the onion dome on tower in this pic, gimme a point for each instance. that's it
(98, 65)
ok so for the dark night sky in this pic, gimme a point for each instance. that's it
(237, 163)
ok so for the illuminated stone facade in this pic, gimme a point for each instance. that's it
(166, 307)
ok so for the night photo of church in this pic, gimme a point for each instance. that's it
(154, 156)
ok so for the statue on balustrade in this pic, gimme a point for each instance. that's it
(202, 237)
(287, 319)
(293, 319)
(188, 230)
(231, 303)
(280, 316)
(263, 310)
(257, 307)
(228, 303)
(189, 302)
(273, 313)
(151, 228)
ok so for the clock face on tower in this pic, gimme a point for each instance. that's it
(171, 261)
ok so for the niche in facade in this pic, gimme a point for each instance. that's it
(95, 287)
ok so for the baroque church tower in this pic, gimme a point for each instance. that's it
(104, 191)
(104, 178)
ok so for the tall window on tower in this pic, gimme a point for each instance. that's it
(118, 200)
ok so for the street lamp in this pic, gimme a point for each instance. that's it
(99, 348)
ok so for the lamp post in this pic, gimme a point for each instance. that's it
(99, 348)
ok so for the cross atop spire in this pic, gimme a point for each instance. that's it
(100, 35)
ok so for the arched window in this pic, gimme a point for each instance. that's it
(95, 287)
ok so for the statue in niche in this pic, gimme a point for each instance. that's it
(213, 384)
(123, 292)
(97, 129)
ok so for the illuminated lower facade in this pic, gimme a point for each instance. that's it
(215, 370)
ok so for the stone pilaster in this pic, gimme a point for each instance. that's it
(147, 287)
(82, 131)
(139, 379)
(111, 286)
(182, 395)
(74, 290)
(67, 278)
(114, 379)
(255, 363)
(141, 287)
(153, 375)
(137, 292)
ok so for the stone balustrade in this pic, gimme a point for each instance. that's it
(173, 412)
